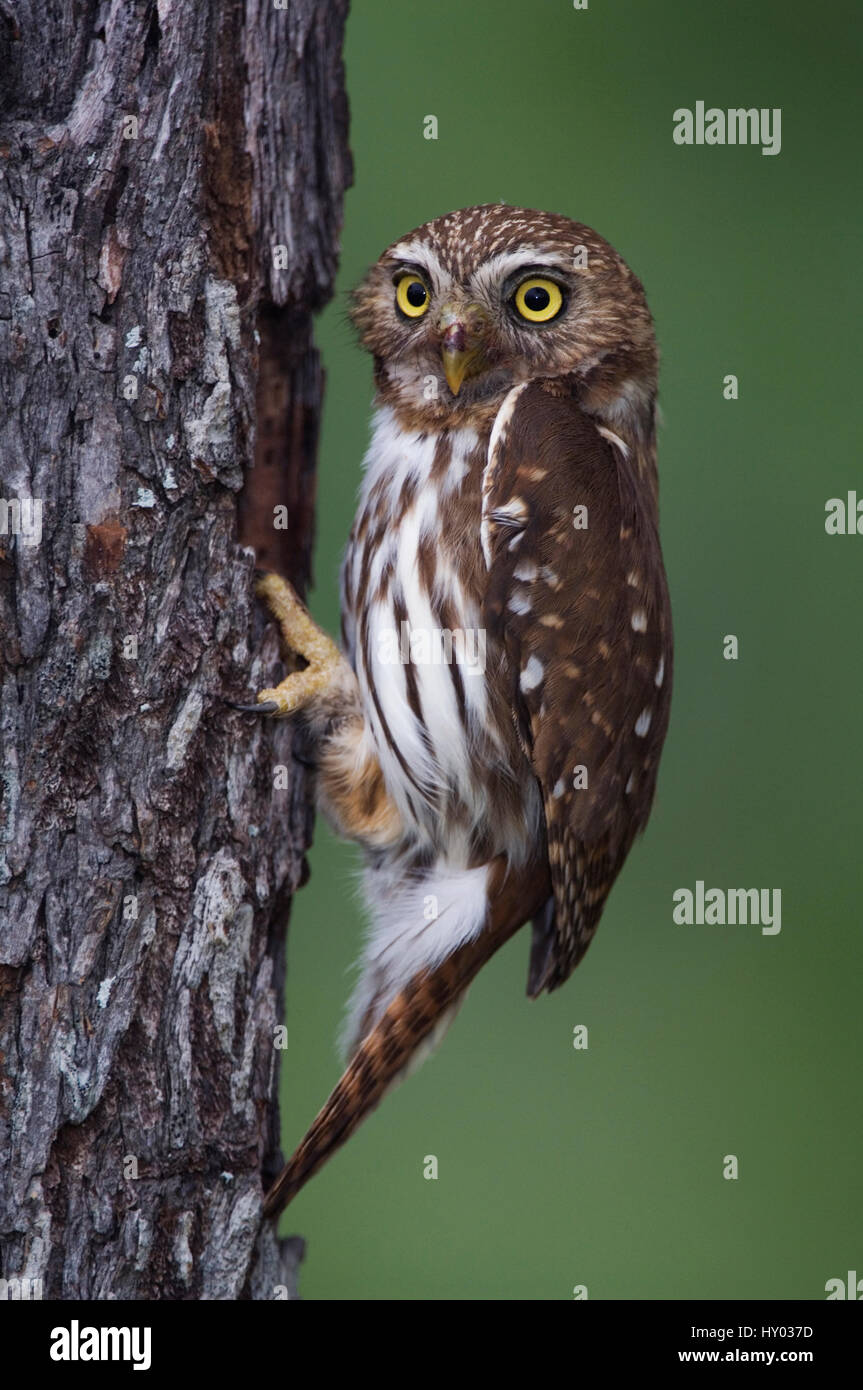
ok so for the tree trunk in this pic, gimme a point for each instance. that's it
(154, 158)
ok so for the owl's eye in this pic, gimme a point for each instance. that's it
(412, 297)
(538, 300)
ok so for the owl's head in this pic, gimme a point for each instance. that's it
(464, 307)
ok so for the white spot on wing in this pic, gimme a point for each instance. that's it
(639, 620)
(642, 723)
(531, 675)
(526, 572)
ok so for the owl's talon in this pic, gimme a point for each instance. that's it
(300, 632)
(297, 690)
(301, 635)
(268, 707)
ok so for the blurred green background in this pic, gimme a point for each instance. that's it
(604, 1167)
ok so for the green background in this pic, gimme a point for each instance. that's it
(604, 1167)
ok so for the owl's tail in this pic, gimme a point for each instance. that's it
(410, 1022)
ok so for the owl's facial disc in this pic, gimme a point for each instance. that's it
(463, 330)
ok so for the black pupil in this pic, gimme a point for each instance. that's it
(416, 294)
(536, 299)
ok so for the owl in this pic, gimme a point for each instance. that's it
(489, 729)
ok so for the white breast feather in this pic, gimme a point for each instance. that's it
(404, 937)
(395, 457)
(416, 922)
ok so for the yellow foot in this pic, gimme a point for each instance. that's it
(303, 636)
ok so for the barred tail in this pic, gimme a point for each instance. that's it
(410, 1020)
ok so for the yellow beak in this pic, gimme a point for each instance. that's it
(459, 363)
(463, 327)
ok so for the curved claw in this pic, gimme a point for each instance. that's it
(265, 707)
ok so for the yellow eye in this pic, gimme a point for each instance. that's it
(538, 300)
(412, 296)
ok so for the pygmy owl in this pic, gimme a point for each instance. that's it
(491, 728)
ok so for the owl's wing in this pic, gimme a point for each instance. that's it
(577, 597)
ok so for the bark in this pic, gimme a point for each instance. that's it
(151, 159)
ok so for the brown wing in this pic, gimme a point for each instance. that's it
(584, 617)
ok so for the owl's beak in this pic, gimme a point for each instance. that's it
(462, 329)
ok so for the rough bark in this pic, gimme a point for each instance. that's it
(148, 851)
